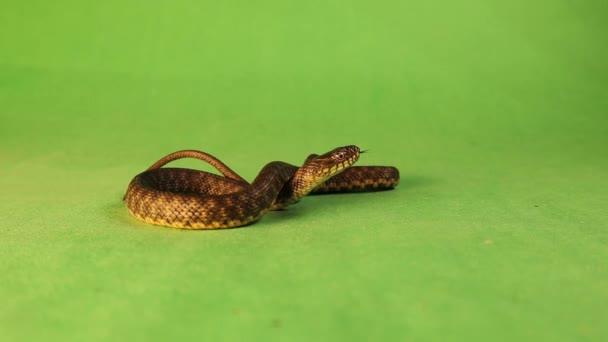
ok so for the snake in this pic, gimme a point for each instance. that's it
(193, 199)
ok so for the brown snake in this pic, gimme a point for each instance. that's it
(192, 199)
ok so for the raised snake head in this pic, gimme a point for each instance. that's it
(333, 162)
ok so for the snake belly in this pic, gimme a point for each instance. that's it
(193, 199)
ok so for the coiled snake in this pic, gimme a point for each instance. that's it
(186, 198)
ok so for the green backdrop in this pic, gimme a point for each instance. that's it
(495, 112)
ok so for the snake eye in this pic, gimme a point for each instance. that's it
(340, 156)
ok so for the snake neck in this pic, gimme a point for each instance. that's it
(271, 179)
(304, 181)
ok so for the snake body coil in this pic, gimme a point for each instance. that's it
(186, 198)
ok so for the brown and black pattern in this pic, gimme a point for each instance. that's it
(192, 199)
(361, 178)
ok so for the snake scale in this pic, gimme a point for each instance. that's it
(192, 199)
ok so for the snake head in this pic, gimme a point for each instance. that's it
(315, 171)
(333, 162)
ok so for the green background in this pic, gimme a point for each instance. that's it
(495, 112)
